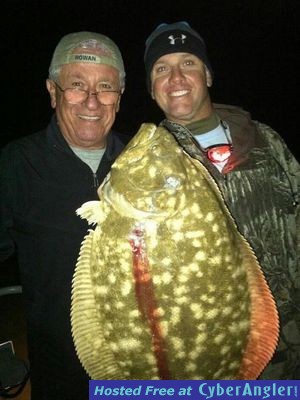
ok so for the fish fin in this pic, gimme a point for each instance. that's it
(91, 211)
(89, 338)
(264, 326)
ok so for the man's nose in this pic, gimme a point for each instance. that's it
(92, 100)
(176, 74)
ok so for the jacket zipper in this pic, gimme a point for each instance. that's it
(96, 182)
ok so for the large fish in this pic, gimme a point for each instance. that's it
(165, 286)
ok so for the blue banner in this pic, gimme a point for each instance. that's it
(194, 390)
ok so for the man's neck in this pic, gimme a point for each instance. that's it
(204, 125)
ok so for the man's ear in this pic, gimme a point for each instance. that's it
(52, 91)
(152, 93)
(209, 80)
(119, 100)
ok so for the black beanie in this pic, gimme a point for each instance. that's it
(178, 37)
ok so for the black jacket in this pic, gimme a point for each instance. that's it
(42, 184)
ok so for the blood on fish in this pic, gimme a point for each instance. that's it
(147, 304)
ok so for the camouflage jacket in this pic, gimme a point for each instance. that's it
(261, 187)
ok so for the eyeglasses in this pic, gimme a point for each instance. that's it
(78, 95)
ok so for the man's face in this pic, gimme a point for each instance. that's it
(85, 125)
(180, 84)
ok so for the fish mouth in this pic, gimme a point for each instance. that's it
(123, 206)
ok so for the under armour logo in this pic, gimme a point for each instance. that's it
(173, 39)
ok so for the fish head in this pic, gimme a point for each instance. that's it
(148, 178)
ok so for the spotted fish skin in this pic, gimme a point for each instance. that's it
(163, 284)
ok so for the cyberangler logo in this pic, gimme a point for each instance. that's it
(245, 390)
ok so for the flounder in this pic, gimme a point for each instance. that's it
(165, 286)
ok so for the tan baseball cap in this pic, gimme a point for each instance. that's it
(86, 47)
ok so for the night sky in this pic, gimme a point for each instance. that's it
(252, 46)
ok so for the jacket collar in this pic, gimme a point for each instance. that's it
(244, 134)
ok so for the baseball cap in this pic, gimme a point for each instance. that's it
(86, 47)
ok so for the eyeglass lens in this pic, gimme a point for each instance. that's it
(75, 96)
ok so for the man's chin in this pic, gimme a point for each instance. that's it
(179, 117)
(91, 139)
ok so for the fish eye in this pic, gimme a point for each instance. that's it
(172, 182)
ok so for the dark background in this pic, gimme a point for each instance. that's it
(252, 46)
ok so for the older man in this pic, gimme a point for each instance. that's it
(45, 177)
